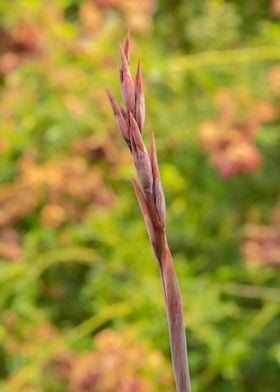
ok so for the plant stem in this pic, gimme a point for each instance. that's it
(175, 317)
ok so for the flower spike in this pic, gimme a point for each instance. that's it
(152, 204)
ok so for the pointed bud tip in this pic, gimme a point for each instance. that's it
(127, 45)
(123, 55)
(110, 97)
(133, 123)
(139, 194)
(138, 79)
(153, 157)
(134, 182)
(135, 133)
(108, 92)
(114, 104)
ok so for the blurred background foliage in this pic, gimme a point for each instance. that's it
(80, 296)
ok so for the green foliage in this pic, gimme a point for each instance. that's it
(78, 276)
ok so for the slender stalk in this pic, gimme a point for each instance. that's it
(176, 326)
(151, 199)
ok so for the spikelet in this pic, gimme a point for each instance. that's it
(145, 212)
(139, 99)
(127, 85)
(119, 117)
(158, 191)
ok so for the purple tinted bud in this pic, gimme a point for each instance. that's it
(135, 132)
(140, 156)
(127, 85)
(139, 99)
(119, 116)
(126, 47)
(160, 201)
(145, 212)
(157, 187)
(144, 171)
(153, 157)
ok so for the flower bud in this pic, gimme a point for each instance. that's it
(135, 132)
(140, 156)
(145, 212)
(139, 99)
(157, 187)
(126, 47)
(160, 201)
(120, 117)
(144, 171)
(127, 85)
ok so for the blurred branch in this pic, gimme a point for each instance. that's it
(225, 57)
(75, 254)
(252, 292)
(96, 321)
(23, 274)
